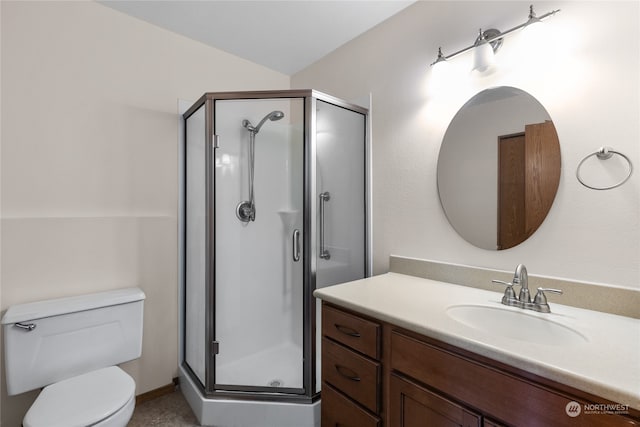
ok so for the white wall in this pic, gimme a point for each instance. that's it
(587, 77)
(89, 161)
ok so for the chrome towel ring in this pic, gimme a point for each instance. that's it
(604, 153)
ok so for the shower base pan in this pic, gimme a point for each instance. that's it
(279, 366)
(247, 413)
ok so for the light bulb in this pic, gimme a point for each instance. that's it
(439, 80)
(439, 67)
(483, 57)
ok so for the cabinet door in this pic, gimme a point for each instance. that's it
(414, 406)
(338, 411)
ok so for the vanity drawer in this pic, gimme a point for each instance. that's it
(514, 400)
(339, 411)
(353, 374)
(353, 331)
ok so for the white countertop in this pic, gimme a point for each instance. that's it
(606, 364)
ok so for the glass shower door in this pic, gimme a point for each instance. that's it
(258, 319)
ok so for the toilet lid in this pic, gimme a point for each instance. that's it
(81, 401)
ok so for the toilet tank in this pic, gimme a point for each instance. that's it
(48, 341)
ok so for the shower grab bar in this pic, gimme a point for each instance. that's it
(324, 197)
(296, 245)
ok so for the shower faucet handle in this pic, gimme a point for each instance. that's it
(245, 211)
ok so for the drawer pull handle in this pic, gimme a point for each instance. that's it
(347, 373)
(347, 331)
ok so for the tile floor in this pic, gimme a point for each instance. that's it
(170, 410)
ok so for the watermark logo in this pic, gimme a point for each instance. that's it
(573, 409)
(606, 409)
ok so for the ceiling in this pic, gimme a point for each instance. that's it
(286, 36)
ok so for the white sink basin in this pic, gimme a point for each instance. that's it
(518, 325)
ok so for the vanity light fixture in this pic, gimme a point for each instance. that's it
(489, 41)
(484, 52)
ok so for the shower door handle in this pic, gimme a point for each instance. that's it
(324, 197)
(296, 245)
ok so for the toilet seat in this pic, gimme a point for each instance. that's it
(82, 401)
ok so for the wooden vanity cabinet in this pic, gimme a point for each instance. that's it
(410, 380)
(351, 370)
(496, 391)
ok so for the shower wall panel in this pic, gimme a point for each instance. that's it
(340, 172)
(340, 151)
(195, 244)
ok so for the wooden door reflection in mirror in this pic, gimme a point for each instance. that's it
(528, 177)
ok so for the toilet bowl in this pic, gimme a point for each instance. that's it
(70, 346)
(105, 397)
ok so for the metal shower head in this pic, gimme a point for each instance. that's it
(273, 116)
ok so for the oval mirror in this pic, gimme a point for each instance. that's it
(499, 168)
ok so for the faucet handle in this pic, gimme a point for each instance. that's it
(509, 293)
(555, 291)
(501, 282)
(540, 301)
(541, 298)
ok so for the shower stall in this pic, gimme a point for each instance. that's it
(274, 205)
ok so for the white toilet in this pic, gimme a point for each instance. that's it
(70, 346)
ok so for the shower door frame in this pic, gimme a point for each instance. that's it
(308, 393)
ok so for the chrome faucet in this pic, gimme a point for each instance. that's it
(521, 278)
(523, 300)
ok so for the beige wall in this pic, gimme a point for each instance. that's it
(89, 152)
(89, 161)
(587, 77)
